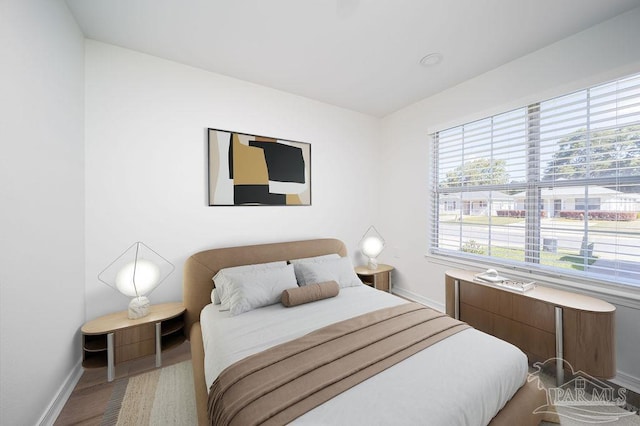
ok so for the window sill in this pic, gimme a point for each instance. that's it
(615, 294)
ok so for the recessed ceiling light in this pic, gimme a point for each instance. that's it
(431, 59)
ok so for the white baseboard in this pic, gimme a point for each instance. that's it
(418, 298)
(627, 381)
(55, 407)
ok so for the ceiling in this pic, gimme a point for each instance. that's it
(363, 55)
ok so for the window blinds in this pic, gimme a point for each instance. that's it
(554, 185)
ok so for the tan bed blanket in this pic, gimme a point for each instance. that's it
(284, 382)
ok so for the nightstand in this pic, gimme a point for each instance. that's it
(379, 278)
(114, 338)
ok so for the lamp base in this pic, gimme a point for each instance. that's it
(139, 307)
(373, 263)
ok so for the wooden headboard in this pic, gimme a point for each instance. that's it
(200, 268)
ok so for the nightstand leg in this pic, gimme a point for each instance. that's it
(111, 369)
(158, 344)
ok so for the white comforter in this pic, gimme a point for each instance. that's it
(462, 380)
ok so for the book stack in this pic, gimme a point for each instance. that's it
(493, 278)
(489, 277)
(521, 286)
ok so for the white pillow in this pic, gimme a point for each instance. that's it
(315, 259)
(220, 280)
(253, 289)
(215, 297)
(339, 270)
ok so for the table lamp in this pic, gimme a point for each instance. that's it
(371, 245)
(136, 273)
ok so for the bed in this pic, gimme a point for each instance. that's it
(446, 383)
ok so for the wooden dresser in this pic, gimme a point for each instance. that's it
(543, 322)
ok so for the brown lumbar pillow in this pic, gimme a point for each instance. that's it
(309, 293)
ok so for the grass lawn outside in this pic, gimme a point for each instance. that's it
(604, 234)
(561, 259)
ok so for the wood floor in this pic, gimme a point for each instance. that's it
(90, 397)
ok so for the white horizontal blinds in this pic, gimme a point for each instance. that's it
(594, 130)
(590, 164)
(563, 132)
(489, 152)
(553, 185)
(483, 154)
(615, 125)
(448, 149)
(478, 165)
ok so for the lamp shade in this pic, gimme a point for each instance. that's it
(137, 278)
(372, 246)
(136, 273)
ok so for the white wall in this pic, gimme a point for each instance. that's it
(601, 53)
(42, 212)
(146, 165)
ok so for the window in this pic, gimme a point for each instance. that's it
(550, 187)
(590, 204)
(450, 206)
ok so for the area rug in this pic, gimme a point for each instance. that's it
(160, 397)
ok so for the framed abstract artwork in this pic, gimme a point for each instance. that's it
(257, 170)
